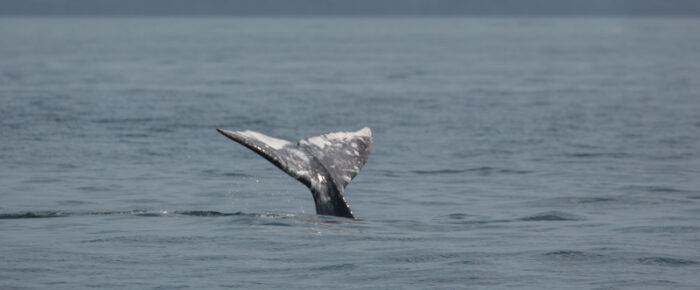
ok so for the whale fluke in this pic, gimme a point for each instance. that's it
(324, 163)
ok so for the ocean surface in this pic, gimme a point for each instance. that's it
(508, 153)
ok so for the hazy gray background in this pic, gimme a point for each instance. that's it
(358, 7)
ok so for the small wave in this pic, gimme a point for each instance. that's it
(551, 216)
(278, 224)
(144, 213)
(457, 216)
(660, 229)
(133, 135)
(585, 200)
(338, 267)
(425, 258)
(666, 261)
(154, 153)
(465, 219)
(44, 180)
(464, 262)
(234, 174)
(31, 215)
(388, 173)
(74, 202)
(66, 166)
(127, 120)
(572, 255)
(93, 188)
(415, 226)
(565, 253)
(484, 170)
(440, 171)
(259, 219)
(217, 172)
(147, 213)
(207, 213)
(671, 156)
(613, 155)
(577, 201)
(656, 189)
(391, 239)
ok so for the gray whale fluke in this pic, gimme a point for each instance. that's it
(324, 163)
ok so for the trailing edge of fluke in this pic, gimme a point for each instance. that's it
(324, 163)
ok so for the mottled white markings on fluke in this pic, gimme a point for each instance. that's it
(267, 140)
(325, 163)
(316, 141)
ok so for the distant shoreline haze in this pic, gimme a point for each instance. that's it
(356, 7)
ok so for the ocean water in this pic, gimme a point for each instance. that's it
(527, 153)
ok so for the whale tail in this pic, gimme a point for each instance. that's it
(324, 163)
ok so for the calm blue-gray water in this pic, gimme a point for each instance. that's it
(533, 153)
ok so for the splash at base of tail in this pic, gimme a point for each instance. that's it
(324, 163)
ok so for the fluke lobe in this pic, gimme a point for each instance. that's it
(325, 163)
